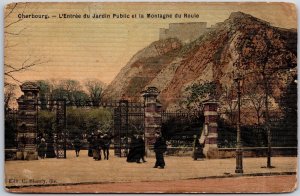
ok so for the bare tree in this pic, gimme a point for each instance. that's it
(255, 93)
(266, 52)
(10, 32)
(66, 89)
(95, 90)
(71, 86)
(80, 98)
(228, 103)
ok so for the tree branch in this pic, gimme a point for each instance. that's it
(11, 10)
(13, 23)
(18, 33)
(23, 66)
(9, 75)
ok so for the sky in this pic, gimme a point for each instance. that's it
(97, 48)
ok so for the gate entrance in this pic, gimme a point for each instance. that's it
(127, 118)
(128, 121)
(123, 119)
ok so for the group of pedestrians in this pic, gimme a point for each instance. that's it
(136, 150)
(99, 143)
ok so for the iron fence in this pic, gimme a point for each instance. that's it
(128, 121)
(179, 128)
(282, 133)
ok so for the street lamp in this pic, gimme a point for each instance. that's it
(239, 151)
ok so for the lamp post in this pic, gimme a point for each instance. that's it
(239, 151)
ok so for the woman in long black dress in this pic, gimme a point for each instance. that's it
(96, 148)
(133, 154)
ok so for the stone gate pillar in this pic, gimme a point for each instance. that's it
(27, 122)
(152, 117)
(209, 134)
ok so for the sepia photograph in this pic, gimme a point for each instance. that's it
(150, 97)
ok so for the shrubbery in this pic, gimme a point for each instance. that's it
(79, 121)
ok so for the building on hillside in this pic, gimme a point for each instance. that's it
(185, 32)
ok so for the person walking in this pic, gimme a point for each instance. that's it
(160, 147)
(106, 145)
(133, 150)
(42, 148)
(77, 146)
(97, 148)
(141, 149)
(197, 149)
(90, 141)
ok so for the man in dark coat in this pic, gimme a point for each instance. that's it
(160, 147)
(77, 146)
(106, 145)
(90, 141)
(141, 149)
(197, 148)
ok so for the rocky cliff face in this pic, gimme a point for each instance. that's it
(144, 68)
(242, 41)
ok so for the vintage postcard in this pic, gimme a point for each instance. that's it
(150, 97)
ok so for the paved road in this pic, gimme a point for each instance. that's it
(116, 174)
(257, 184)
(84, 169)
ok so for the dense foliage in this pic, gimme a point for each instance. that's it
(79, 121)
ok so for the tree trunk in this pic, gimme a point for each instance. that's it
(267, 121)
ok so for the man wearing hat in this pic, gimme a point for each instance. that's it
(160, 147)
(77, 145)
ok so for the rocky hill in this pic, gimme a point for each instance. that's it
(242, 41)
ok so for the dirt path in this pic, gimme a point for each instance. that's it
(83, 169)
(258, 184)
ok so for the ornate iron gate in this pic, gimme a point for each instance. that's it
(61, 125)
(128, 121)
